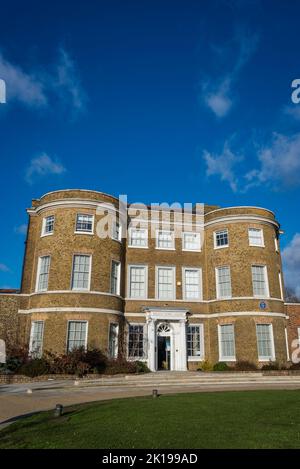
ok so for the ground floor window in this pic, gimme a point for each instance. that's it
(226, 342)
(265, 343)
(36, 338)
(195, 346)
(136, 341)
(113, 340)
(77, 335)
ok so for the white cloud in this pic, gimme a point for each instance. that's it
(21, 229)
(55, 84)
(217, 94)
(41, 166)
(4, 268)
(291, 264)
(22, 86)
(223, 165)
(279, 163)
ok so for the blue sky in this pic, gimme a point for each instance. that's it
(178, 101)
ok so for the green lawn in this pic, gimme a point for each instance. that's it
(249, 419)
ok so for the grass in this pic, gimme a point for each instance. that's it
(248, 419)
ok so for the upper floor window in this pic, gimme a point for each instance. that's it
(221, 239)
(165, 239)
(165, 283)
(48, 225)
(137, 286)
(115, 277)
(191, 241)
(265, 342)
(223, 281)
(260, 280)
(116, 231)
(36, 339)
(191, 283)
(226, 342)
(84, 223)
(276, 243)
(43, 273)
(138, 237)
(77, 335)
(81, 272)
(256, 237)
(195, 341)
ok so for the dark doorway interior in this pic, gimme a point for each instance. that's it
(163, 353)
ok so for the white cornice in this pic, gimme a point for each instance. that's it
(217, 315)
(70, 310)
(74, 203)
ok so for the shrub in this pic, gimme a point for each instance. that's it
(78, 361)
(244, 365)
(34, 367)
(271, 366)
(295, 366)
(15, 358)
(221, 366)
(120, 365)
(205, 366)
(141, 367)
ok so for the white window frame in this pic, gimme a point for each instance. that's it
(145, 354)
(267, 295)
(273, 356)
(287, 344)
(173, 269)
(184, 233)
(276, 243)
(90, 272)
(253, 228)
(119, 237)
(200, 357)
(113, 323)
(157, 240)
(215, 239)
(219, 297)
(85, 215)
(200, 297)
(43, 233)
(129, 267)
(38, 274)
(86, 333)
(223, 358)
(280, 285)
(31, 351)
(130, 245)
(118, 277)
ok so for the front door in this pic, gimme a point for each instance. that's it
(163, 353)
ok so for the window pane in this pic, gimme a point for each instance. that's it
(224, 282)
(194, 347)
(192, 283)
(137, 281)
(259, 280)
(49, 224)
(136, 341)
(116, 230)
(255, 237)
(191, 241)
(264, 341)
(221, 238)
(227, 345)
(138, 237)
(113, 340)
(44, 266)
(165, 283)
(36, 338)
(165, 239)
(115, 277)
(84, 223)
(81, 272)
(76, 334)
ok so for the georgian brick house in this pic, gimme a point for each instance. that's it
(209, 289)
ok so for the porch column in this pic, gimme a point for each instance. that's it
(151, 344)
(182, 347)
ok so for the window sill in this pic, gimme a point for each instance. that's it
(46, 234)
(267, 360)
(257, 245)
(227, 359)
(221, 247)
(191, 250)
(196, 359)
(137, 247)
(165, 249)
(84, 232)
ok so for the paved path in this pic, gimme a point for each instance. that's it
(15, 400)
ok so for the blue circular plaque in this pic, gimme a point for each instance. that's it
(262, 305)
